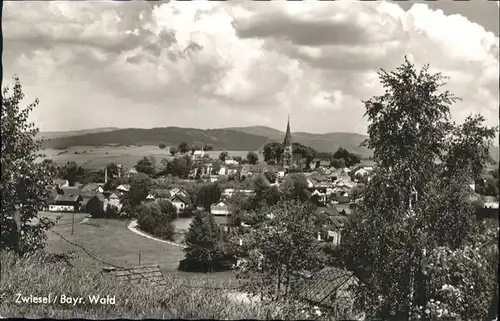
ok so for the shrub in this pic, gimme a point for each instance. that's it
(153, 221)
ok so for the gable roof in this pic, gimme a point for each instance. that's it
(66, 198)
(181, 197)
(71, 190)
(220, 203)
(331, 211)
(328, 287)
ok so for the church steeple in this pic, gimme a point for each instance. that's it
(288, 135)
(287, 156)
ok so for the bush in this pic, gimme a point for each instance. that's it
(153, 221)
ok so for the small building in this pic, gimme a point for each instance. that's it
(113, 200)
(93, 187)
(150, 198)
(58, 182)
(123, 188)
(70, 190)
(180, 201)
(176, 190)
(66, 203)
(220, 208)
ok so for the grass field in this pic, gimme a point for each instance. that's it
(98, 157)
(110, 241)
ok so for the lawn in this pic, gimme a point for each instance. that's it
(110, 241)
(95, 157)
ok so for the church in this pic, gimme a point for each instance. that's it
(288, 158)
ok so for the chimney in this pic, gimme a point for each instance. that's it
(105, 175)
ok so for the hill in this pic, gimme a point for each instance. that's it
(219, 138)
(329, 142)
(57, 134)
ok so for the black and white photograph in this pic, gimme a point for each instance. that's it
(264, 160)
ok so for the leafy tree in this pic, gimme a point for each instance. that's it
(252, 158)
(223, 155)
(173, 150)
(94, 207)
(192, 148)
(180, 166)
(183, 147)
(152, 220)
(111, 212)
(168, 209)
(51, 167)
(413, 204)
(24, 181)
(146, 165)
(350, 159)
(203, 248)
(208, 147)
(207, 194)
(113, 170)
(281, 247)
(140, 186)
(295, 187)
(272, 152)
(271, 176)
(339, 163)
(162, 146)
(305, 151)
(72, 172)
(239, 159)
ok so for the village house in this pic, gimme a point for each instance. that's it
(231, 162)
(197, 155)
(229, 192)
(60, 182)
(131, 172)
(220, 212)
(180, 201)
(113, 200)
(176, 190)
(69, 190)
(93, 187)
(65, 203)
(161, 194)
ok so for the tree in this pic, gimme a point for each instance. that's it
(339, 163)
(350, 159)
(168, 209)
(295, 187)
(223, 155)
(180, 166)
(252, 158)
(72, 172)
(140, 186)
(146, 165)
(24, 181)
(239, 159)
(113, 170)
(271, 176)
(153, 221)
(162, 146)
(94, 207)
(208, 147)
(279, 249)
(183, 147)
(207, 194)
(203, 248)
(414, 206)
(272, 152)
(173, 150)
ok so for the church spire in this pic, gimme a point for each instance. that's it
(288, 135)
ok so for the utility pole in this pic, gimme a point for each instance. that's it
(73, 223)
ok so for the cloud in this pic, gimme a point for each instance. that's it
(216, 64)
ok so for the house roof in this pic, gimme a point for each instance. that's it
(332, 211)
(181, 197)
(66, 198)
(219, 204)
(90, 187)
(59, 181)
(328, 287)
(71, 190)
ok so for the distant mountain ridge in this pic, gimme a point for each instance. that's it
(231, 138)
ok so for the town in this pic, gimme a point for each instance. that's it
(238, 160)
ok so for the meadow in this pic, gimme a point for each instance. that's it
(97, 157)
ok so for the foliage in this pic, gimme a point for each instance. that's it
(162, 146)
(94, 207)
(488, 186)
(239, 159)
(271, 176)
(207, 194)
(168, 209)
(146, 165)
(252, 158)
(204, 249)
(278, 249)
(338, 163)
(140, 186)
(152, 220)
(208, 147)
(179, 166)
(223, 155)
(350, 159)
(72, 172)
(273, 152)
(173, 150)
(295, 187)
(413, 203)
(113, 170)
(183, 147)
(24, 181)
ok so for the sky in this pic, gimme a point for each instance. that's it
(222, 64)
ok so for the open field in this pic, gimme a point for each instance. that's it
(98, 157)
(110, 241)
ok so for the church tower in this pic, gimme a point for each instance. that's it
(286, 158)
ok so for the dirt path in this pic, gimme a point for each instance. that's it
(133, 227)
